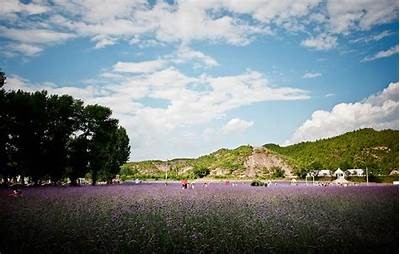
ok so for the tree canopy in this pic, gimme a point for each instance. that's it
(51, 137)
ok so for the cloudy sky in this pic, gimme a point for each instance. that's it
(188, 77)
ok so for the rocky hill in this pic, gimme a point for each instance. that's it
(377, 150)
(243, 162)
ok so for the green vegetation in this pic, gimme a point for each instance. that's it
(231, 161)
(278, 172)
(377, 150)
(54, 137)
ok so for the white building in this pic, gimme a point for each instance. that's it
(339, 174)
(324, 172)
(355, 172)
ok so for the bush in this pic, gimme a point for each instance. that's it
(277, 172)
(257, 183)
(201, 171)
(383, 179)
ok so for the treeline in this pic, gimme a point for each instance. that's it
(53, 137)
(365, 148)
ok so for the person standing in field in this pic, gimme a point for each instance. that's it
(184, 183)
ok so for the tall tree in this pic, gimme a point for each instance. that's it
(119, 150)
(63, 112)
(100, 129)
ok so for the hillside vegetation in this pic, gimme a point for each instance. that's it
(377, 150)
(242, 162)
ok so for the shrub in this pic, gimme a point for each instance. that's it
(257, 183)
(277, 172)
(201, 171)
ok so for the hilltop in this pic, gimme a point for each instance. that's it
(242, 162)
(377, 150)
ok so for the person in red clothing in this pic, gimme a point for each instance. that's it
(184, 183)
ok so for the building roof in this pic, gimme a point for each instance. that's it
(338, 171)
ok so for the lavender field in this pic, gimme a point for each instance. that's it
(153, 218)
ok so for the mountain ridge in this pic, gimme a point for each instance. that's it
(377, 150)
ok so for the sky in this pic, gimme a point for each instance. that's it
(186, 78)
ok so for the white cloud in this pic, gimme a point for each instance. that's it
(34, 36)
(382, 54)
(157, 131)
(321, 42)
(374, 37)
(236, 125)
(311, 75)
(139, 67)
(346, 15)
(185, 54)
(25, 49)
(31, 42)
(10, 9)
(379, 111)
(221, 21)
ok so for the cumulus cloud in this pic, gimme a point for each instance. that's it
(186, 54)
(139, 67)
(25, 49)
(221, 21)
(10, 9)
(321, 42)
(156, 130)
(309, 75)
(31, 41)
(346, 15)
(382, 54)
(379, 111)
(236, 125)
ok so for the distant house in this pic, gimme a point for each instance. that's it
(339, 174)
(355, 172)
(82, 181)
(324, 172)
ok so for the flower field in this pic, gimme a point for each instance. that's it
(153, 218)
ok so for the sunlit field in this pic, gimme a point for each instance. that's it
(217, 218)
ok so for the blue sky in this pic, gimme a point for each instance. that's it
(188, 77)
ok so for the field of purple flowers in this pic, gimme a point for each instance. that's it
(153, 218)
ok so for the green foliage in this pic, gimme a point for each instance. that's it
(182, 168)
(377, 150)
(201, 171)
(52, 137)
(277, 172)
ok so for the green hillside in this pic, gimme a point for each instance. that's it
(377, 150)
(230, 160)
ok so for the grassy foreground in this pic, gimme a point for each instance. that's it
(221, 218)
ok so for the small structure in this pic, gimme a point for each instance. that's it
(339, 174)
(355, 172)
(394, 172)
(324, 172)
(82, 180)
